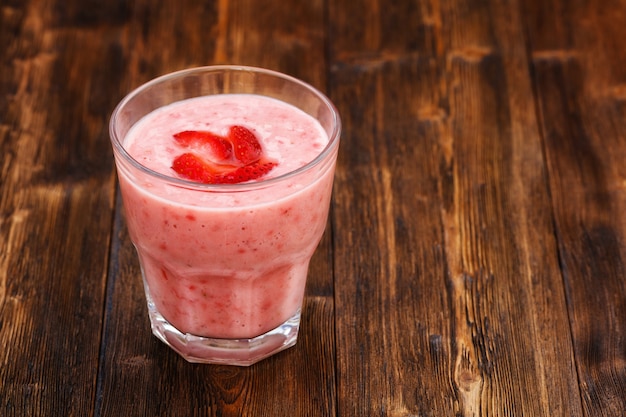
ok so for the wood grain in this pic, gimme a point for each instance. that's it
(57, 200)
(580, 78)
(451, 196)
(474, 260)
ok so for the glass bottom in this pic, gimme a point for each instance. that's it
(240, 352)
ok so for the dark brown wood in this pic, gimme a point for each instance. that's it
(57, 200)
(446, 144)
(473, 263)
(580, 81)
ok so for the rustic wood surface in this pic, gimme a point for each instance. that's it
(475, 257)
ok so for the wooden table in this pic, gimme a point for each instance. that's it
(475, 258)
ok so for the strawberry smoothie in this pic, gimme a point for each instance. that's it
(226, 199)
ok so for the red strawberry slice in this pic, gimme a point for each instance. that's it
(215, 147)
(247, 148)
(247, 172)
(192, 167)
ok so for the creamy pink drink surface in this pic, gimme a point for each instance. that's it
(227, 264)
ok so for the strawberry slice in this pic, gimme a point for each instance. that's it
(247, 172)
(246, 147)
(192, 167)
(216, 147)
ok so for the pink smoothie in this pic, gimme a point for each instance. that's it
(227, 264)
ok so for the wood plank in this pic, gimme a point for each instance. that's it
(57, 200)
(580, 79)
(393, 315)
(474, 261)
(299, 381)
(461, 311)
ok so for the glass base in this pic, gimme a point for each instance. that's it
(240, 352)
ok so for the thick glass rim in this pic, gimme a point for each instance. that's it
(332, 144)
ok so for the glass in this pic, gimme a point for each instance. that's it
(209, 299)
